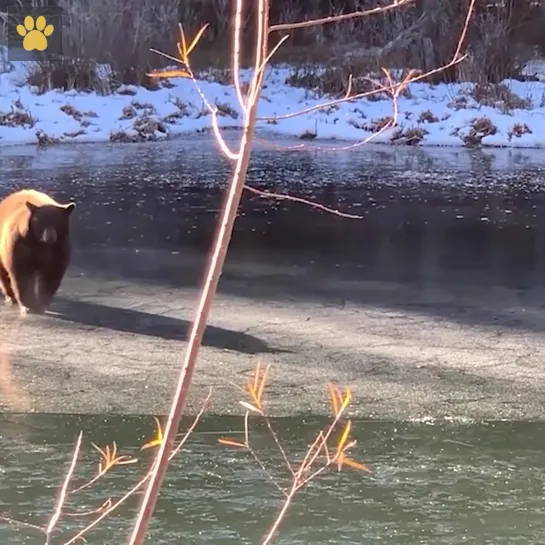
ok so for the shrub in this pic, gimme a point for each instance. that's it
(409, 137)
(68, 74)
(427, 116)
(518, 129)
(16, 117)
(480, 127)
(499, 96)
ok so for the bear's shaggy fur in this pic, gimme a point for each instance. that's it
(34, 248)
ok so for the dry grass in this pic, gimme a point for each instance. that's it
(68, 109)
(377, 125)
(144, 108)
(117, 33)
(145, 128)
(498, 52)
(44, 140)
(69, 74)
(427, 116)
(120, 33)
(480, 127)
(459, 102)
(128, 112)
(182, 110)
(498, 95)
(409, 137)
(226, 110)
(121, 137)
(75, 133)
(16, 117)
(335, 80)
(126, 90)
(518, 129)
(308, 135)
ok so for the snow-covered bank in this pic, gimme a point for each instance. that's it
(441, 115)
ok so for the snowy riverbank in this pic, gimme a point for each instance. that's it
(441, 115)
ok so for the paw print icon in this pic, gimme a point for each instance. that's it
(35, 33)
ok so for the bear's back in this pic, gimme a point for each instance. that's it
(14, 205)
(20, 198)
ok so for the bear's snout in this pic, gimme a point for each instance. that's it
(49, 235)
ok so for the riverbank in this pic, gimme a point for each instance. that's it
(458, 115)
(114, 340)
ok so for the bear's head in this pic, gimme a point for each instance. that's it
(49, 223)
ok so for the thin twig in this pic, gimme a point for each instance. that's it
(62, 497)
(110, 460)
(77, 514)
(191, 428)
(262, 465)
(396, 4)
(284, 197)
(394, 89)
(320, 439)
(273, 51)
(280, 447)
(280, 517)
(98, 476)
(246, 431)
(391, 123)
(16, 522)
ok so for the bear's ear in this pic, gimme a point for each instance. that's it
(32, 207)
(70, 207)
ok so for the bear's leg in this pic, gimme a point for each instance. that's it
(20, 288)
(5, 287)
(40, 295)
(19, 282)
(53, 278)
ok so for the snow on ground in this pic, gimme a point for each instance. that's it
(441, 115)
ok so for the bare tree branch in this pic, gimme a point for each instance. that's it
(64, 491)
(396, 4)
(284, 197)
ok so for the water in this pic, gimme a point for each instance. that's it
(440, 484)
(440, 218)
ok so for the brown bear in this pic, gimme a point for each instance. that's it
(34, 248)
